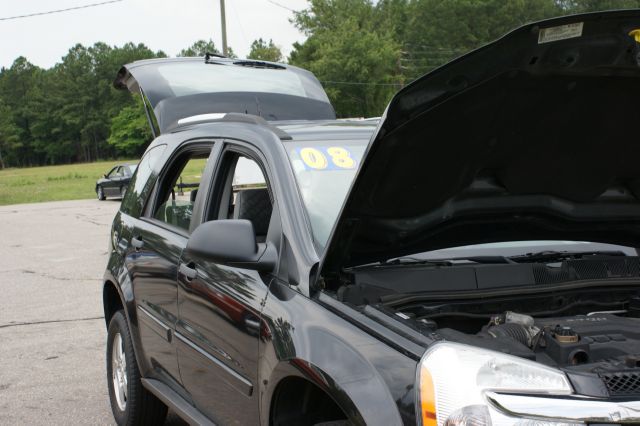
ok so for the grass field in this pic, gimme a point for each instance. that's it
(69, 182)
(52, 183)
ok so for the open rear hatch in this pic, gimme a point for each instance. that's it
(177, 88)
(534, 136)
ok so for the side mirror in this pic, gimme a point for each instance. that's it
(232, 242)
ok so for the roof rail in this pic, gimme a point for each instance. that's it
(233, 117)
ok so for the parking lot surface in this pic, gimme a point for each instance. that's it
(52, 332)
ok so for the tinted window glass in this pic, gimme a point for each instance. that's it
(244, 194)
(193, 78)
(142, 181)
(112, 173)
(179, 188)
(166, 79)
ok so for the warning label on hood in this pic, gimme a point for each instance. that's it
(561, 32)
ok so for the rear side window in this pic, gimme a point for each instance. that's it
(142, 182)
(178, 189)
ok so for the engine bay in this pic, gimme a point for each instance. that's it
(598, 350)
(588, 329)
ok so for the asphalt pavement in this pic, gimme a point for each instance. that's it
(52, 331)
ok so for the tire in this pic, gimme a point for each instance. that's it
(131, 404)
(123, 191)
(100, 193)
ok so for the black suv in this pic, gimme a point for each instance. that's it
(467, 259)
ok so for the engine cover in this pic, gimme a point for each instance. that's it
(599, 352)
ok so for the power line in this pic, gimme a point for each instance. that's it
(235, 13)
(59, 10)
(282, 6)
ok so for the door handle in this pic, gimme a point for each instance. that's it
(189, 272)
(137, 243)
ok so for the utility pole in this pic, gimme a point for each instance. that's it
(224, 28)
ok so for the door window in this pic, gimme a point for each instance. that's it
(178, 189)
(142, 182)
(242, 193)
(112, 173)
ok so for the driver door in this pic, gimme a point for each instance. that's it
(157, 241)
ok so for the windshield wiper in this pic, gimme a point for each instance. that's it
(550, 255)
(412, 261)
(542, 256)
(400, 261)
(259, 64)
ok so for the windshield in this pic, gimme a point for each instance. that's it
(324, 172)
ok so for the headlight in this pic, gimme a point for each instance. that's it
(453, 378)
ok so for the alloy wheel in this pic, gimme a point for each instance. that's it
(119, 371)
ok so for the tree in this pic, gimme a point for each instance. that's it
(356, 60)
(64, 114)
(130, 132)
(202, 47)
(18, 86)
(9, 139)
(265, 52)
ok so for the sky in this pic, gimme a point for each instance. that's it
(167, 25)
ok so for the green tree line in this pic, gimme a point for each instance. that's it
(72, 113)
(362, 51)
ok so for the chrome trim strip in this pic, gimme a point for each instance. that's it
(244, 384)
(202, 117)
(165, 330)
(568, 409)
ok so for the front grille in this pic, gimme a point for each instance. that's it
(624, 383)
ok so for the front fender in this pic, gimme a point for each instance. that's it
(372, 382)
(298, 367)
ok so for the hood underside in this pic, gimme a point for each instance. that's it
(533, 136)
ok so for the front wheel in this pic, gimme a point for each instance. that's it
(100, 193)
(131, 403)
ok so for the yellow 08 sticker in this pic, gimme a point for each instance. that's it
(329, 158)
(341, 157)
(313, 158)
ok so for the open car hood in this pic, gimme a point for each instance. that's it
(532, 137)
(177, 88)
